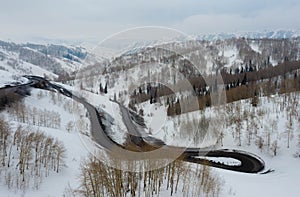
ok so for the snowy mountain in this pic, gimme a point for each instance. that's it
(192, 58)
(217, 51)
(276, 34)
(50, 60)
(267, 127)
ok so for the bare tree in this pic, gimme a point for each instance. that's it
(289, 130)
(260, 143)
(274, 147)
(70, 126)
(60, 154)
(4, 140)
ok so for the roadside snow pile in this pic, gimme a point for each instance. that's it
(7, 78)
(223, 160)
(109, 109)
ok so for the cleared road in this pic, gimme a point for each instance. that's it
(249, 163)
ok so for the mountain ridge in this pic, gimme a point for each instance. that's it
(271, 34)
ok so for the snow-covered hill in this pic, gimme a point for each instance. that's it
(265, 130)
(167, 63)
(8, 78)
(50, 60)
(270, 130)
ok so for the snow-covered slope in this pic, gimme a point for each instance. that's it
(67, 130)
(41, 59)
(265, 130)
(270, 130)
(12, 65)
(8, 78)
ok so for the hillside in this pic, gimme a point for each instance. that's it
(48, 60)
(256, 112)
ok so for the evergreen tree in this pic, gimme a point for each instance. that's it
(105, 89)
(244, 81)
(140, 90)
(101, 88)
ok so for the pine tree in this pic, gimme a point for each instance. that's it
(105, 89)
(101, 88)
(244, 81)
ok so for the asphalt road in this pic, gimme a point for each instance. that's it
(249, 163)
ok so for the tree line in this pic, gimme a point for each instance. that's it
(27, 156)
(9, 96)
(246, 83)
(34, 116)
(98, 179)
(251, 90)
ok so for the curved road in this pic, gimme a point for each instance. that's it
(249, 163)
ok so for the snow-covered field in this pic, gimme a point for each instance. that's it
(278, 183)
(68, 132)
(274, 119)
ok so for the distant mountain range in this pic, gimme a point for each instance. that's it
(277, 34)
(91, 43)
(61, 60)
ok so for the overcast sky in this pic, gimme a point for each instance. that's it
(85, 19)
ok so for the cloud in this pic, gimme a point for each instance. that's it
(101, 18)
(277, 18)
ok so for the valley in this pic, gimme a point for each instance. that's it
(218, 111)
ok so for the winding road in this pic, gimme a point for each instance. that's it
(250, 163)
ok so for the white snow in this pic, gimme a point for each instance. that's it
(118, 128)
(232, 58)
(7, 78)
(274, 116)
(177, 131)
(278, 183)
(56, 184)
(223, 160)
(14, 65)
(255, 47)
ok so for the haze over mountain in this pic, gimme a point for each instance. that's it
(81, 19)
